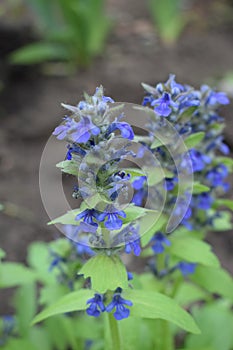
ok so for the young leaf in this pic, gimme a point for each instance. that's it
(199, 188)
(193, 250)
(68, 167)
(74, 301)
(134, 212)
(106, 273)
(68, 218)
(38, 53)
(194, 139)
(156, 305)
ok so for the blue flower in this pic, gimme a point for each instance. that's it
(217, 175)
(139, 185)
(74, 149)
(218, 144)
(119, 304)
(164, 104)
(133, 245)
(203, 201)
(139, 182)
(125, 129)
(159, 241)
(113, 222)
(217, 98)
(61, 131)
(129, 275)
(170, 183)
(199, 160)
(84, 129)
(186, 268)
(96, 305)
(88, 215)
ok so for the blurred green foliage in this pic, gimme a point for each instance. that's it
(72, 31)
(169, 19)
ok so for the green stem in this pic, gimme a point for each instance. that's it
(163, 336)
(116, 343)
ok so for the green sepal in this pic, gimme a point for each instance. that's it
(106, 273)
(155, 305)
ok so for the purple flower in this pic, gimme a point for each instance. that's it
(158, 243)
(62, 130)
(84, 129)
(125, 129)
(96, 305)
(186, 268)
(164, 104)
(119, 303)
(113, 222)
(88, 215)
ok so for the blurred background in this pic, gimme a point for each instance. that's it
(53, 50)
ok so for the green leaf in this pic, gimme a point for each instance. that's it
(134, 212)
(38, 53)
(214, 280)
(193, 250)
(68, 218)
(149, 225)
(14, 274)
(134, 172)
(216, 324)
(2, 254)
(186, 115)
(74, 301)
(223, 202)
(68, 167)
(156, 305)
(223, 222)
(194, 139)
(106, 273)
(25, 305)
(189, 293)
(38, 259)
(199, 188)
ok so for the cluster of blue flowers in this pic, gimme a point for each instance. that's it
(87, 131)
(189, 111)
(118, 304)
